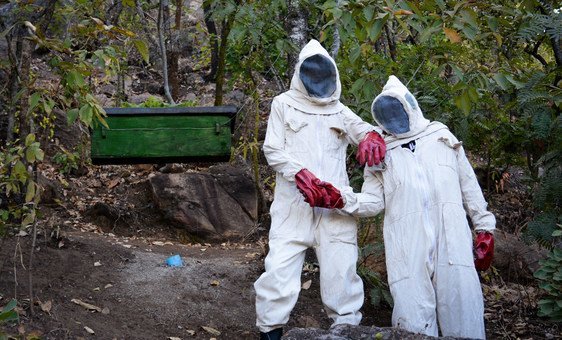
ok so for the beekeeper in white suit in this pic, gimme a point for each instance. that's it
(426, 186)
(307, 135)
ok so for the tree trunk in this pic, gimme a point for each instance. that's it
(221, 67)
(162, 44)
(298, 32)
(391, 42)
(213, 42)
(337, 41)
(175, 54)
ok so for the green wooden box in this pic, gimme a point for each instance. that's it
(164, 135)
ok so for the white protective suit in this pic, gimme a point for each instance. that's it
(312, 133)
(425, 195)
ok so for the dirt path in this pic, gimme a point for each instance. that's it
(138, 296)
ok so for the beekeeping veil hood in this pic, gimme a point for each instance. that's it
(315, 86)
(397, 111)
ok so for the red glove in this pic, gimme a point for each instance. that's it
(336, 201)
(311, 188)
(483, 250)
(318, 193)
(371, 149)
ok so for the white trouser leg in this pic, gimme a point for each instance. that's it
(414, 305)
(340, 286)
(277, 289)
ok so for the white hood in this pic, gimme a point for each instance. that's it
(394, 88)
(298, 96)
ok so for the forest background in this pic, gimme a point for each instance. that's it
(490, 70)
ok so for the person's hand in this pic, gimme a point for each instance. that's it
(336, 201)
(311, 188)
(483, 250)
(371, 149)
(316, 192)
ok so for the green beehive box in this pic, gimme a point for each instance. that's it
(164, 135)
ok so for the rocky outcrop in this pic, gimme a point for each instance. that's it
(217, 205)
(346, 332)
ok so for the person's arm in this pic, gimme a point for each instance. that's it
(274, 144)
(473, 199)
(355, 127)
(475, 206)
(370, 201)
(371, 147)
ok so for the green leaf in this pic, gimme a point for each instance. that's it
(356, 87)
(376, 29)
(86, 113)
(492, 23)
(75, 79)
(28, 219)
(29, 139)
(470, 17)
(142, 47)
(19, 170)
(376, 296)
(71, 116)
(369, 13)
(557, 233)
(11, 305)
(502, 81)
(463, 103)
(129, 3)
(34, 100)
(30, 193)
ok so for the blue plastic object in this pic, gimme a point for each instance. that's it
(174, 261)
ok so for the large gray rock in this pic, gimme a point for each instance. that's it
(346, 332)
(217, 205)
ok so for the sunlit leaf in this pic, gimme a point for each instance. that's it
(453, 35)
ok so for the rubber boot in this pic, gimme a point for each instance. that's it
(272, 335)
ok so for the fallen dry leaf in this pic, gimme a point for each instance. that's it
(113, 183)
(306, 285)
(215, 283)
(109, 285)
(211, 330)
(46, 307)
(89, 330)
(105, 311)
(86, 305)
(190, 332)
(158, 243)
(97, 264)
(174, 338)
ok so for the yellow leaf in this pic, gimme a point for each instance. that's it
(453, 35)
(306, 285)
(211, 330)
(403, 12)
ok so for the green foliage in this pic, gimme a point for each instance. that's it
(17, 182)
(371, 246)
(67, 161)
(550, 277)
(8, 313)
(153, 101)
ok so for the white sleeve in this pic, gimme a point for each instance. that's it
(274, 144)
(355, 127)
(472, 197)
(370, 201)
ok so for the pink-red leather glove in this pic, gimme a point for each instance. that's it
(483, 250)
(336, 201)
(371, 149)
(311, 188)
(316, 192)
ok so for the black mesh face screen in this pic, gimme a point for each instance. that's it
(390, 113)
(318, 75)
